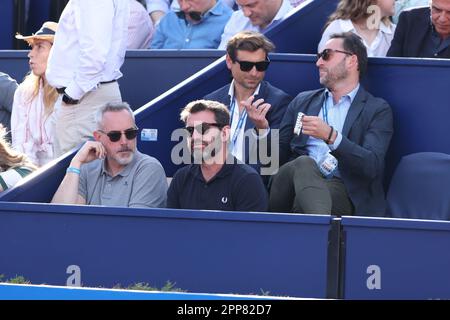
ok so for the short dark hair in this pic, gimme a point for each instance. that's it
(248, 41)
(353, 44)
(221, 113)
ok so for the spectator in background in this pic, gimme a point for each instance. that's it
(423, 32)
(33, 118)
(8, 87)
(256, 106)
(13, 165)
(401, 5)
(158, 8)
(110, 171)
(369, 19)
(198, 25)
(84, 65)
(215, 181)
(140, 27)
(333, 141)
(254, 15)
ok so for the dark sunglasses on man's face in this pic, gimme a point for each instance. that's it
(203, 128)
(194, 15)
(326, 54)
(115, 136)
(246, 66)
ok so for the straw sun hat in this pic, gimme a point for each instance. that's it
(46, 32)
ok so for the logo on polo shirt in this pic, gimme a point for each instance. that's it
(224, 200)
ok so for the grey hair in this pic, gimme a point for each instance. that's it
(111, 107)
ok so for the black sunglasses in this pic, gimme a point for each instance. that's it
(194, 15)
(115, 136)
(326, 54)
(203, 128)
(246, 66)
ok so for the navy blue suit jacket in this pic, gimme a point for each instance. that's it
(367, 132)
(413, 31)
(278, 99)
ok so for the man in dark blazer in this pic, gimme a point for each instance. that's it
(423, 32)
(256, 106)
(334, 161)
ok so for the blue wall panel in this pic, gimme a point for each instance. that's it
(226, 252)
(412, 257)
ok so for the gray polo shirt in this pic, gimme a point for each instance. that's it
(142, 183)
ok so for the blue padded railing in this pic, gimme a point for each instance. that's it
(395, 259)
(147, 73)
(209, 251)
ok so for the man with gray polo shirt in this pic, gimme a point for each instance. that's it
(110, 171)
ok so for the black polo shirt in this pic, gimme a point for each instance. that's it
(236, 187)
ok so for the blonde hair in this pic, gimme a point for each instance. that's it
(10, 158)
(353, 10)
(32, 84)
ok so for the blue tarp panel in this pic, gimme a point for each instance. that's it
(396, 259)
(201, 251)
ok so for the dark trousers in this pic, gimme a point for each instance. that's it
(300, 187)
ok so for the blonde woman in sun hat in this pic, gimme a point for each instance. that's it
(32, 118)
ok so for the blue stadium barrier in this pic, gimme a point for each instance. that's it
(395, 259)
(45, 292)
(6, 24)
(389, 78)
(209, 251)
(147, 73)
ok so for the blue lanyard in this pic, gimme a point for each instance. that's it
(242, 119)
(325, 111)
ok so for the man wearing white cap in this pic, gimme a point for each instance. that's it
(84, 65)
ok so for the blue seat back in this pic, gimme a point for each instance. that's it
(420, 187)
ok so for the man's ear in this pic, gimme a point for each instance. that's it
(228, 61)
(97, 135)
(225, 133)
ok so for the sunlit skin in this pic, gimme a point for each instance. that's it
(260, 12)
(38, 56)
(387, 7)
(200, 6)
(440, 16)
(245, 84)
(202, 144)
(119, 153)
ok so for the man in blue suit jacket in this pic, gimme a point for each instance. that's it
(423, 32)
(334, 153)
(256, 106)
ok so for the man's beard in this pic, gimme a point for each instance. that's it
(123, 161)
(334, 75)
(210, 150)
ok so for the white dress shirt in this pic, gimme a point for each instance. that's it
(89, 46)
(140, 27)
(378, 47)
(238, 145)
(239, 22)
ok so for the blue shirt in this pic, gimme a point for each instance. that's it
(236, 187)
(334, 115)
(176, 33)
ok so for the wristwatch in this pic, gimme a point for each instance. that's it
(68, 99)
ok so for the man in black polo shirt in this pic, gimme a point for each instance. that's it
(215, 180)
